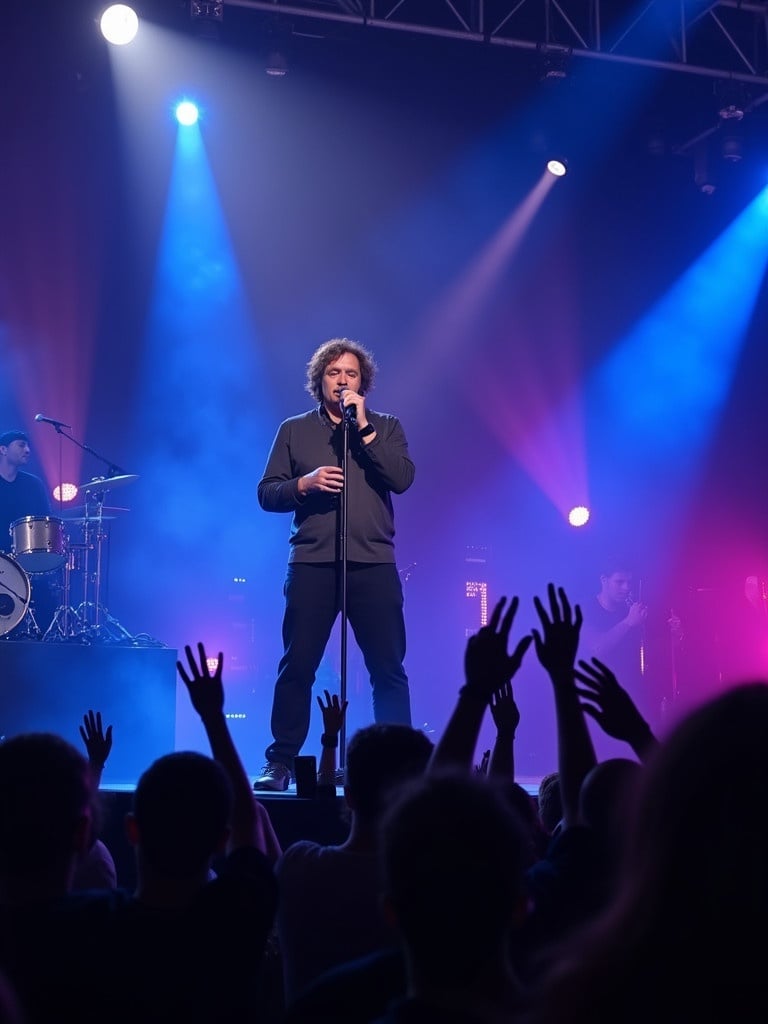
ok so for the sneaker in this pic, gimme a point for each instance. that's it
(274, 776)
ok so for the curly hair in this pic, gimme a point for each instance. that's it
(331, 350)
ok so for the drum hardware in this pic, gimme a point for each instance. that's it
(38, 543)
(101, 484)
(88, 621)
(15, 599)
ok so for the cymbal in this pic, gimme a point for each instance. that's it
(108, 483)
(84, 520)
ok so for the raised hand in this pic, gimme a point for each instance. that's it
(487, 665)
(206, 691)
(605, 700)
(558, 640)
(98, 743)
(334, 712)
(505, 712)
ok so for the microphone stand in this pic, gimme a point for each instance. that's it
(112, 470)
(343, 584)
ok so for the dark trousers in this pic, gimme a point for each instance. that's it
(312, 605)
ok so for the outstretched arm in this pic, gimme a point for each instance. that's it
(613, 709)
(487, 667)
(98, 744)
(506, 717)
(556, 646)
(334, 712)
(251, 825)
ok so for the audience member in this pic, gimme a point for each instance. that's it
(577, 876)
(334, 713)
(96, 867)
(549, 803)
(48, 934)
(453, 853)
(329, 895)
(682, 939)
(190, 944)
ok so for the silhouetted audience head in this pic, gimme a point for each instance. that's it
(681, 940)
(606, 797)
(379, 758)
(46, 809)
(550, 802)
(453, 853)
(181, 813)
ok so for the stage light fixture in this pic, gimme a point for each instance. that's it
(557, 167)
(207, 17)
(206, 10)
(732, 148)
(276, 64)
(730, 101)
(187, 113)
(702, 170)
(554, 61)
(119, 24)
(579, 515)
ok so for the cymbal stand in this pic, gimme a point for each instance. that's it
(97, 623)
(66, 623)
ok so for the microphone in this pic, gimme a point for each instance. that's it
(350, 412)
(54, 423)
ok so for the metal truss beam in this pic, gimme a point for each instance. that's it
(724, 39)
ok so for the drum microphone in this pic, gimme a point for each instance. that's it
(54, 423)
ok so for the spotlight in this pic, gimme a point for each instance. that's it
(207, 10)
(702, 172)
(730, 99)
(187, 113)
(277, 46)
(554, 61)
(732, 149)
(579, 515)
(119, 24)
(276, 65)
(557, 168)
(207, 16)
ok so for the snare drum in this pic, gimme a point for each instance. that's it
(15, 593)
(39, 543)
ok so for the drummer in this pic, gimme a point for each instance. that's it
(23, 494)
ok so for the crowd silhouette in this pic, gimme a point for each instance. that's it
(628, 889)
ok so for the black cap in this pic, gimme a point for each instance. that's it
(12, 435)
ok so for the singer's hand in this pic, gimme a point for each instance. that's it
(637, 614)
(353, 405)
(329, 479)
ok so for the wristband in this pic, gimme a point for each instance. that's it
(367, 429)
(329, 741)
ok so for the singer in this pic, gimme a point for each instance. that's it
(303, 475)
(615, 631)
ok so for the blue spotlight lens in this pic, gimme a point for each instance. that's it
(557, 167)
(187, 113)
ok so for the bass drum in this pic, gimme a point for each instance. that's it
(15, 594)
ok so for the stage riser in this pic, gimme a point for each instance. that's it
(50, 686)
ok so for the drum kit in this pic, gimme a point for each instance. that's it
(42, 546)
